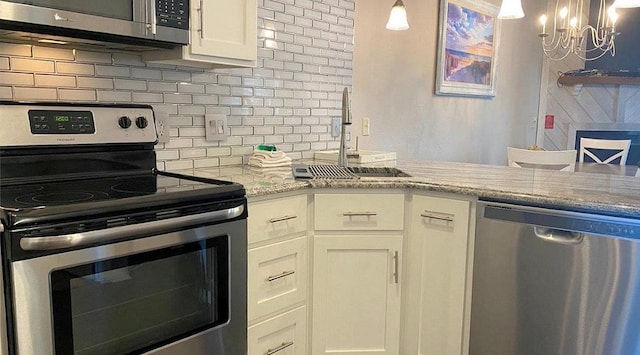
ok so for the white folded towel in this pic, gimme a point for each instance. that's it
(262, 163)
(266, 159)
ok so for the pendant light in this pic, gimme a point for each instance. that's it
(511, 9)
(619, 4)
(398, 17)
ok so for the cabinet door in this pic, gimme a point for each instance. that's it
(223, 28)
(437, 254)
(356, 295)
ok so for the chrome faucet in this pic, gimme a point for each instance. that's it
(346, 121)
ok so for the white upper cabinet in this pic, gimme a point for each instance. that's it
(223, 34)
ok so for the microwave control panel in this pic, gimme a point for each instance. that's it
(173, 13)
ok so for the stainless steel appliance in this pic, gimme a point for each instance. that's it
(101, 253)
(549, 281)
(120, 24)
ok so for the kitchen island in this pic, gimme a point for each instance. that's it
(392, 239)
(599, 193)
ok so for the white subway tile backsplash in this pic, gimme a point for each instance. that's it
(6, 93)
(22, 79)
(55, 80)
(305, 58)
(125, 84)
(93, 57)
(12, 49)
(114, 96)
(31, 65)
(111, 71)
(21, 93)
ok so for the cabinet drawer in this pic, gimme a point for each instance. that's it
(274, 218)
(281, 335)
(359, 212)
(277, 277)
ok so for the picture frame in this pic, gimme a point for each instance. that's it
(467, 48)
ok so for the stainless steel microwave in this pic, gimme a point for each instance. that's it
(124, 24)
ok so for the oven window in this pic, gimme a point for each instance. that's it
(131, 304)
(118, 9)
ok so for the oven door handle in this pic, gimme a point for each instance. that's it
(115, 233)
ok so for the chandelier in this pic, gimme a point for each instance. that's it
(566, 34)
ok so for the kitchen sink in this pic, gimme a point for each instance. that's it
(356, 156)
(377, 172)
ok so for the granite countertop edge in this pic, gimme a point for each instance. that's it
(597, 193)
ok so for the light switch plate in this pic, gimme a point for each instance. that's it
(162, 126)
(215, 127)
(366, 126)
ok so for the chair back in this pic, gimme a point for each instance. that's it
(563, 158)
(619, 146)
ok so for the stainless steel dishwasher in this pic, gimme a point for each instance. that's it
(552, 282)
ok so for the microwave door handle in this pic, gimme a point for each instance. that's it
(116, 233)
(152, 21)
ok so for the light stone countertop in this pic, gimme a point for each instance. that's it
(609, 194)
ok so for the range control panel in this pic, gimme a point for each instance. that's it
(61, 122)
(53, 124)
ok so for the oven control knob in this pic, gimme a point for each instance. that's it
(142, 122)
(124, 122)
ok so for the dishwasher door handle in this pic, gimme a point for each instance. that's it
(558, 235)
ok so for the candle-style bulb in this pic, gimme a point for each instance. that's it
(613, 15)
(564, 12)
(573, 22)
(543, 22)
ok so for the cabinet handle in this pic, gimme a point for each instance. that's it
(201, 13)
(279, 348)
(439, 218)
(396, 267)
(282, 219)
(354, 214)
(279, 276)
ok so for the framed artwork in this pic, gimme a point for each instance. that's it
(467, 48)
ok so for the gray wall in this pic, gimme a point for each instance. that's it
(394, 85)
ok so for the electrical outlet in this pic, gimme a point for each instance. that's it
(366, 125)
(335, 127)
(162, 126)
(215, 127)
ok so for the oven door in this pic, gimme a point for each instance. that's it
(176, 293)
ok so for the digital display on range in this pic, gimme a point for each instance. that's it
(61, 122)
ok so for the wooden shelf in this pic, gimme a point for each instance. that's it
(598, 80)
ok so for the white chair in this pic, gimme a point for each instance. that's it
(557, 158)
(620, 146)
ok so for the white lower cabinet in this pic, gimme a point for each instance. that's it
(356, 295)
(438, 277)
(281, 335)
(278, 275)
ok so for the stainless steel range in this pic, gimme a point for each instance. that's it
(101, 253)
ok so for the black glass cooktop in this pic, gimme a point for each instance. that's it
(71, 192)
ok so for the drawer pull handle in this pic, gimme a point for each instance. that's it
(279, 276)
(279, 348)
(354, 214)
(282, 219)
(439, 218)
(396, 266)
